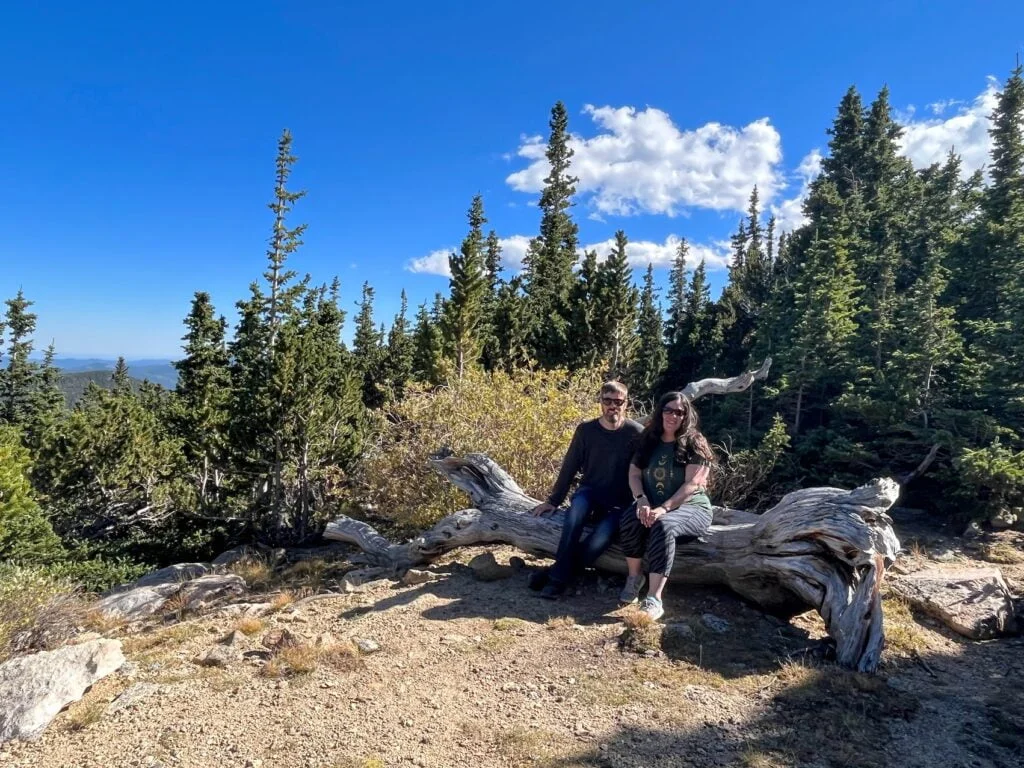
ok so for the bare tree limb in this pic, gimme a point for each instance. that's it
(698, 389)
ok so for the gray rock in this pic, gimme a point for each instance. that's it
(366, 646)
(974, 602)
(486, 568)
(413, 577)
(173, 574)
(234, 639)
(132, 605)
(677, 633)
(715, 623)
(205, 590)
(1004, 518)
(217, 656)
(35, 688)
(236, 555)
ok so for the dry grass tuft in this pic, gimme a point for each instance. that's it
(903, 635)
(249, 625)
(176, 606)
(98, 621)
(560, 622)
(508, 624)
(256, 572)
(755, 758)
(302, 659)
(642, 634)
(282, 600)
(84, 714)
(37, 612)
(1002, 553)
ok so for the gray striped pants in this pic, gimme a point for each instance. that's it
(658, 543)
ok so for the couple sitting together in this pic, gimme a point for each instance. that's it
(645, 484)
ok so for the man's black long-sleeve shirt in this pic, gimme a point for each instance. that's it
(603, 456)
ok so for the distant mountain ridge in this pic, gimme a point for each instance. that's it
(157, 370)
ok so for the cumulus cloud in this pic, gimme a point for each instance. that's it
(789, 214)
(643, 252)
(513, 249)
(641, 162)
(966, 132)
(434, 263)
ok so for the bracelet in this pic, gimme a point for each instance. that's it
(638, 496)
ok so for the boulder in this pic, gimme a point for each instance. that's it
(35, 688)
(201, 592)
(236, 555)
(975, 602)
(486, 568)
(173, 574)
(134, 604)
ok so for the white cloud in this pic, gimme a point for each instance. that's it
(643, 252)
(789, 214)
(434, 263)
(641, 162)
(513, 249)
(966, 132)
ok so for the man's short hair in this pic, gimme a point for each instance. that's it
(613, 386)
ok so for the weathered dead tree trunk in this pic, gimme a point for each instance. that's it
(820, 548)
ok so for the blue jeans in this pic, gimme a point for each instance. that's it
(573, 554)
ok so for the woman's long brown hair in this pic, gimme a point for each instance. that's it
(689, 438)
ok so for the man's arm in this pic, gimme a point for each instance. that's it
(570, 466)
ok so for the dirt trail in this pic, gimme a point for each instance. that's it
(475, 673)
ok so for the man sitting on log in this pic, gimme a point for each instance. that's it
(601, 450)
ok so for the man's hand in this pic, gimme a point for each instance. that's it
(542, 509)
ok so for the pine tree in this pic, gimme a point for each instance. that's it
(204, 397)
(929, 344)
(367, 350)
(428, 350)
(121, 383)
(548, 265)
(398, 354)
(463, 322)
(616, 309)
(677, 293)
(650, 359)
(512, 327)
(26, 536)
(489, 328)
(283, 241)
(17, 383)
(585, 332)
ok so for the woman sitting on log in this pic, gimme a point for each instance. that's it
(668, 476)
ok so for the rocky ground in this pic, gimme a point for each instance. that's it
(462, 670)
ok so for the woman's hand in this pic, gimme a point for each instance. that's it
(653, 515)
(643, 509)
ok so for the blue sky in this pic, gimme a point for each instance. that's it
(139, 140)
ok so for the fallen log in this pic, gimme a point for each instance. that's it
(820, 548)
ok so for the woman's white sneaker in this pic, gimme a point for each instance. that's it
(652, 607)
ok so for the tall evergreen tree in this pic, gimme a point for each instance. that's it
(428, 350)
(16, 395)
(398, 354)
(650, 359)
(677, 292)
(463, 321)
(121, 383)
(367, 350)
(489, 330)
(548, 265)
(204, 397)
(617, 309)
(585, 332)
(284, 241)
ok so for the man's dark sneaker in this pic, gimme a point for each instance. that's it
(552, 591)
(538, 580)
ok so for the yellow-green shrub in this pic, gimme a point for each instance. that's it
(37, 611)
(524, 421)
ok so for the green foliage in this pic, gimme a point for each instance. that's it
(616, 309)
(995, 474)
(524, 421)
(25, 534)
(651, 358)
(742, 479)
(463, 319)
(95, 574)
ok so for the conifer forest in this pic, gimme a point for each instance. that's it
(894, 319)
